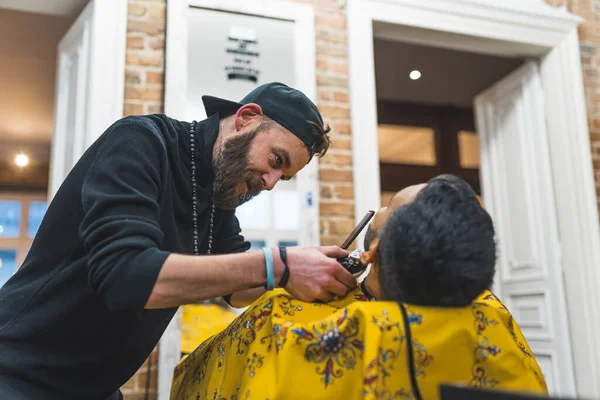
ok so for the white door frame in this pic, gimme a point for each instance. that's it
(175, 100)
(513, 27)
(100, 99)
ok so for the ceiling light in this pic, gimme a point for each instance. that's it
(414, 75)
(21, 160)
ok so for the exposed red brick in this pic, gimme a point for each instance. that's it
(341, 226)
(344, 191)
(153, 27)
(133, 108)
(335, 111)
(136, 10)
(340, 159)
(153, 78)
(157, 43)
(332, 21)
(341, 96)
(145, 59)
(157, 12)
(144, 93)
(342, 143)
(133, 77)
(135, 42)
(334, 175)
(323, 225)
(337, 209)
(154, 108)
(326, 192)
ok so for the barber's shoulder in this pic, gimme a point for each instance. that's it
(142, 131)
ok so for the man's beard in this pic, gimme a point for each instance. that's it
(231, 170)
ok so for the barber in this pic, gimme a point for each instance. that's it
(145, 222)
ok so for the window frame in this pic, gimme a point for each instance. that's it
(271, 235)
(23, 243)
(446, 122)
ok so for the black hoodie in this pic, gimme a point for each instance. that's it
(72, 319)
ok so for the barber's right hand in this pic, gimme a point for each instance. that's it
(315, 274)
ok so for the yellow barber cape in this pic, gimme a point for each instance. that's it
(201, 321)
(282, 348)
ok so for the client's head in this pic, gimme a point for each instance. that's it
(439, 248)
(433, 244)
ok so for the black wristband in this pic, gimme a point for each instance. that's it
(286, 271)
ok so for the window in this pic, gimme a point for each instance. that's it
(256, 244)
(255, 213)
(286, 210)
(272, 218)
(468, 149)
(10, 218)
(418, 142)
(400, 144)
(287, 243)
(20, 217)
(8, 264)
(37, 210)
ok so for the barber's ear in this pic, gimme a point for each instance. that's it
(247, 114)
(372, 255)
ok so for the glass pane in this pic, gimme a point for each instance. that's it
(37, 209)
(255, 213)
(10, 218)
(406, 145)
(256, 244)
(287, 209)
(468, 149)
(287, 243)
(8, 265)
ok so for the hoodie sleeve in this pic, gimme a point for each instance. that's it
(120, 229)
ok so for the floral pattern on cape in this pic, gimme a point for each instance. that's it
(281, 347)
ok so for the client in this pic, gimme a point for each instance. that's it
(432, 256)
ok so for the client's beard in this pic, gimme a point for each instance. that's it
(231, 170)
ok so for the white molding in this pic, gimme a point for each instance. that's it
(107, 67)
(101, 98)
(175, 101)
(363, 108)
(529, 29)
(576, 205)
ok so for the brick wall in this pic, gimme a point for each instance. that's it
(589, 43)
(144, 70)
(337, 190)
(144, 76)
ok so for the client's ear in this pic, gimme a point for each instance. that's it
(370, 256)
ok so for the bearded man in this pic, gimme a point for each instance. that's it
(145, 222)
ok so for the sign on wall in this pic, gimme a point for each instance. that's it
(231, 54)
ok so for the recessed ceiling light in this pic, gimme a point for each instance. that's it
(414, 75)
(21, 160)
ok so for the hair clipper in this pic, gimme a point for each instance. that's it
(352, 262)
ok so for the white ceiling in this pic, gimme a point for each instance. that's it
(63, 8)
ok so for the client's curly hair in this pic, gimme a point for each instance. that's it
(438, 250)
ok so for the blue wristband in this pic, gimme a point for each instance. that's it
(269, 268)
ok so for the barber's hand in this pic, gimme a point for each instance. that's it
(315, 275)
